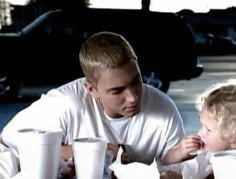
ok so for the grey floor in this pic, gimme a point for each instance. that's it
(184, 92)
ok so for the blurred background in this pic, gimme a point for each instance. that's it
(194, 46)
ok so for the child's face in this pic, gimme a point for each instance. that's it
(209, 133)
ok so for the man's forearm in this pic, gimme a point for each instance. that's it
(66, 152)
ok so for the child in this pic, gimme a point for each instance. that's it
(218, 117)
(217, 108)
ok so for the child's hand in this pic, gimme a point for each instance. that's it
(189, 144)
(182, 151)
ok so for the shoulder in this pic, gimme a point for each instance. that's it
(75, 87)
(156, 98)
(71, 96)
(158, 106)
(73, 92)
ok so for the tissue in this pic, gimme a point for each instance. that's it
(134, 170)
(8, 163)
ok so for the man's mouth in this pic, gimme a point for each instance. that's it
(131, 108)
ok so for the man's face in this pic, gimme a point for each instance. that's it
(119, 90)
(209, 133)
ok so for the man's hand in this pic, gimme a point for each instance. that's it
(66, 152)
(113, 148)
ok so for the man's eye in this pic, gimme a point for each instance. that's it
(118, 91)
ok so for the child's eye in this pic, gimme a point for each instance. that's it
(208, 130)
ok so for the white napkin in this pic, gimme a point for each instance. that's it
(196, 168)
(134, 170)
(8, 162)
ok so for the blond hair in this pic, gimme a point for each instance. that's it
(220, 101)
(104, 50)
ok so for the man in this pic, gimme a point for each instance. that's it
(110, 102)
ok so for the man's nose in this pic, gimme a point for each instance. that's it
(131, 95)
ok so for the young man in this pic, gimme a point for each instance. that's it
(110, 102)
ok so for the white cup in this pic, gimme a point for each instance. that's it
(224, 164)
(39, 152)
(89, 157)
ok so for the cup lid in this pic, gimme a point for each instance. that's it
(89, 139)
(39, 136)
(91, 143)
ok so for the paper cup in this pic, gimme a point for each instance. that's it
(224, 164)
(89, 157)
(39, 152)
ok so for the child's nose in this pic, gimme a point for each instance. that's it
(201, 133)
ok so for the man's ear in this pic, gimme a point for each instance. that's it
(91, 90)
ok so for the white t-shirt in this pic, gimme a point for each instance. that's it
(147, 135)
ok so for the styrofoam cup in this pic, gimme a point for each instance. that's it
(224, 164)
(89, 157)
(39, 152)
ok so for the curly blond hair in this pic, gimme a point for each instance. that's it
(220, 101)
